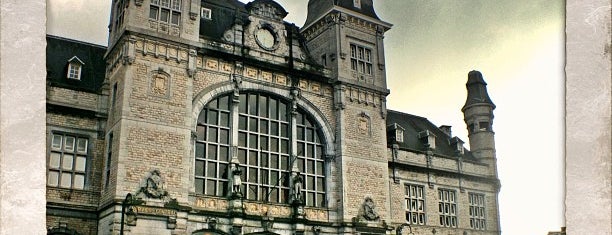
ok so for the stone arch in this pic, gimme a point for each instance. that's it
(212, 92)
(209, 232)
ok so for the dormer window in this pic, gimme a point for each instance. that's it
(428, 139)
(75, 66)
(399, 135)
(206, 13)
(357, 3)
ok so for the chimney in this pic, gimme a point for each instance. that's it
(446, 129)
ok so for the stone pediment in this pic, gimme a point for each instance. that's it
(267, 9)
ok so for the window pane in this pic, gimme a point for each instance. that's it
(79, 181)
(80, 163)
(53, 178)
(82, 145)
(66, 180)
(56, 143)
(67, 162)
(199, 185)
(223, 153)
(153, 12)
(200, 150)
(69, 143)
(224, 136)
(224, 119)
(165, 14)
(212, 152)
(211, 170)
(54, 160)
(176, 17)
(199, 168)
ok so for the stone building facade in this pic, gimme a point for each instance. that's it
(218, 117)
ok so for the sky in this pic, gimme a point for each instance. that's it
(518, 45)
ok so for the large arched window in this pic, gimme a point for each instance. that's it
(266, 132)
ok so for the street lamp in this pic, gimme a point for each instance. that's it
(400, 229)
(129, 201)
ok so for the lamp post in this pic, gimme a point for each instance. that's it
(400, 229)
(127, 200)
(127, 203)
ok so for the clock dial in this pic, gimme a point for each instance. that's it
(265, 38)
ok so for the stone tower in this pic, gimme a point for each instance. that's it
(478, 116)
(150, 65)
(346, 37)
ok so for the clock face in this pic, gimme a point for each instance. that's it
(265, 38)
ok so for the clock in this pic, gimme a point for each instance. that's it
(265, 38)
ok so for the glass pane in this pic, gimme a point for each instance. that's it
(199, 150)
(242, 157)
(223, 153)
(199, 185)
(253, 141)
(56, 143)
(223, 136)
(273, 109)
(310, 183)
(253, 124)
(263, 126)
(253, 158)
(80, 163)
(79, 181)
(274, 144)
(264, 160)
(53, 178)
(224, 119)
(66, 180)
(223, 171)
(243, 103)
(211, 170)
(67, 162)
(274, 161)
(212, 134)
(263, 142)
(284, 130)
(211, 187)
(199, 169)
(153, 11)
(176, 17)
(319, 170)
(310, 168)
(242, 122)
(165, 13)
(212, 152)
(263, 106)
(242, 139)
(54, 160)
(224, 103)
(285, 146)
(201, 132)
(274, 128)
(82, 145)
(69, 143)
(282, 111)
(212, 117)
(253, 104)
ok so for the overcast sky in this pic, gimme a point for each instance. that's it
(517, 45)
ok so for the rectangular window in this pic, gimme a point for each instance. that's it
(166, 11)
(477, 211)
(361, 59)
(324, 60)
(74, 71)
(414, 198)
(206, 13)
(447, 207)
(357, 3)
(399, 135)
(119, 13)
(67, 161)
(109, 157)
(114, 97)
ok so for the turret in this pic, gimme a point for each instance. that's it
(346, 36)
(478, 116)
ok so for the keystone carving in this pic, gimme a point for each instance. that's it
(154, 186)
(369, 210)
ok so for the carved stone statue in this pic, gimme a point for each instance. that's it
(236, 181)
(369, 210)
(153, 186)
(297, 187)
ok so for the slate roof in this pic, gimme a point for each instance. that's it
(316, 8)
(61, 50)
(224, 14)
(477, 90)
(413, 125)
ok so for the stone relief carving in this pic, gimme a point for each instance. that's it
(369, 210)
(154, 186)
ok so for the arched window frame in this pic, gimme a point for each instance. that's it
(326, 135)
